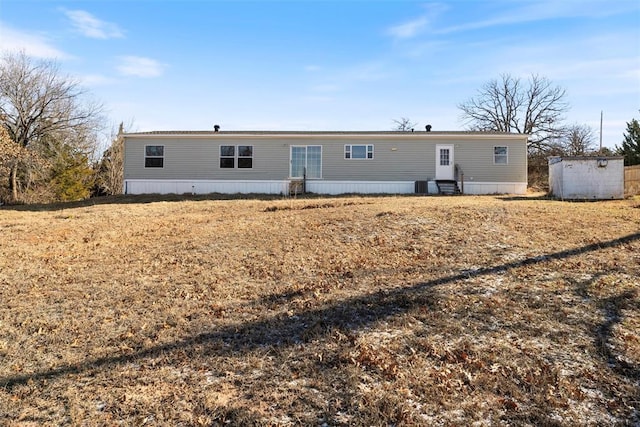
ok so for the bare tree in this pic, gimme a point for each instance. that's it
(110, 169)
(535, 107)
(38, 106)
(12, 156)
(578, 140)
(9, 152)
(404, 125)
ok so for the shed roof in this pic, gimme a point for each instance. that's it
(595, 157)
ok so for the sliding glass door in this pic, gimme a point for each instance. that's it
(306, 157)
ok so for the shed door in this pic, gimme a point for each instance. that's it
(444, 162)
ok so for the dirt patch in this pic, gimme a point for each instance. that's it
(355, 311)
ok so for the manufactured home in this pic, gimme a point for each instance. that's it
(202, 162)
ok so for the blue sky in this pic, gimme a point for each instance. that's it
(331, 65)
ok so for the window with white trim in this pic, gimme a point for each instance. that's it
(154, 156)
(227, 156)
(500, 155)
(240, 156)
(352, 151)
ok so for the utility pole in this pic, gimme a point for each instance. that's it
(601, 113)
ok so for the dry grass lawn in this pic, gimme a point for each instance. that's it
(321, 311)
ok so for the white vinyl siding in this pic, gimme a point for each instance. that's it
(402, 158)
(477, 161)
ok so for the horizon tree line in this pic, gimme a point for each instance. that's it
(50, 127)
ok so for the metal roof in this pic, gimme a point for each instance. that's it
(289, 132)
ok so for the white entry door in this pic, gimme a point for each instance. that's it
(444, 162)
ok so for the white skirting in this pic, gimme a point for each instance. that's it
(360, 187)
(408, 187)
(152, 186)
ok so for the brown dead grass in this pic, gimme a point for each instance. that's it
(338, 311)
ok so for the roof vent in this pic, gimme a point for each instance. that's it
(216, 128)
(428, 128)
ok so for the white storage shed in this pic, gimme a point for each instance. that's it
(586, 178)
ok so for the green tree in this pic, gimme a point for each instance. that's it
(70, 174)
(630, 148)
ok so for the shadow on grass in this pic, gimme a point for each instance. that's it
(347, 315)
(612, 312)
(612, 308)
(544, 196)
(154, 198)
(551, 198)
(136, 199)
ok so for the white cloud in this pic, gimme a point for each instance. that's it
(525, 12)
(409, 29)
(90, 26)
(35, 45)
(602, 64)
(140, 66)
(415, 27)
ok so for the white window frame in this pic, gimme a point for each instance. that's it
(505, 155)
(368, 150)
(153, 157)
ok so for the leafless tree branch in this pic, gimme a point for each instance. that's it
(509, 105)
(404, 124)
(39, 106)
